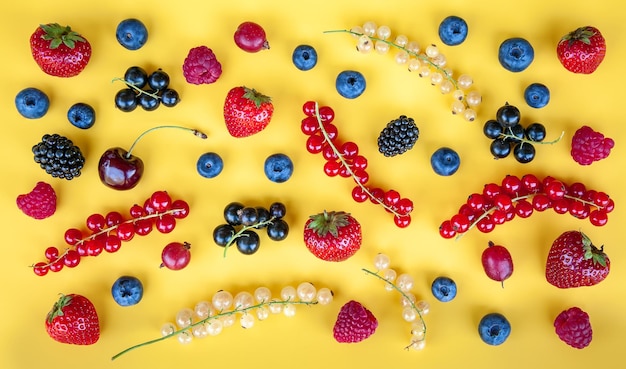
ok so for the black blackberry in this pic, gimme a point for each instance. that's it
(58, 156)
(398, 136)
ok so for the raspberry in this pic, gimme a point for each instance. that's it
(354, 323)
(39, 203)
(589, 146)
(573, 327)
(201, 66)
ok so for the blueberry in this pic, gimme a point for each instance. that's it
(131, 33)
(209, 165)
(494, 329)
(537, 95)
(515, 54)
(81, 115)
(445, 161)
(127, 291)
(350, 84)
(304, 57)
(32, 103)
(444, 289)
(278, 168)
(453, 30)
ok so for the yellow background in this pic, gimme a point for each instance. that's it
(305, 341)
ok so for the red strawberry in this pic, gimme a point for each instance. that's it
(332, 236)
(354, 323)
(59, 51)
(74, 320)
(247, 111)
(574, 328)
(582, 50)
(39, 203)
(573, 261)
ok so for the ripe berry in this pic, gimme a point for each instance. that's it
(494, 329)
(248, 242)
(250, 37)
(126, 100)
(201, 66)
(508, 115)
(304, 57)
(39, 203)
(524, 152)
(136, 76)
(573, 327)
(589, 146)
(158, 80)
(537, 95)
(492, 129)
(32, 103)
(176, 255)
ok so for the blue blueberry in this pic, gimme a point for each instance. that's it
(210, 165)
(444, 289)
(278, 168)
(494, 329)
(350, 84)
(453, 30)
(81, 115)
(537, 95)
(304, 57)
(32, 103)
(516, 54)
(131, 33)
(127, 291)
(445, 161)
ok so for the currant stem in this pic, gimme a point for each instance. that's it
(216, 316)
(245, 228)
(132, 85)
(194, 131)
(347, 166)
(524, 140)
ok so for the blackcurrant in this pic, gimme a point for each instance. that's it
(223, 233)
(278, 230)
(136, 76)
(248, 242)
(263, 217)
(508, 115)
(278, 210)
(515, 132)
(147, 101)
(492, 129)
(231, 213)
(524, 152)
(126, 100)
(536, 132)
(248, 216)
(500, 148)
(169, 97)
(158, 80)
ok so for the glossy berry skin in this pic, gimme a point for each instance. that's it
(573, 327)
(277, 210)
(73, 320)
(118, 171)
(494, 329)
(148, 102)
(515, 54)
(59, 51)
(209, 165)
(500, 148)
(223, 233)
(278, 168)
(277, 230)
(126, 100)
(32, 103)
(444, 289)
(582, 50)
(136, 76)
(535, 132)
(127, 291)
(497, 262)
(304, 57)
(251, 37)
(537, 95)
(453, 30)
(176, 255)
(350, 84)
(524, 152)
(231, 213)
(445, 161)
(332, 236)
(248, 242)
(508, 115)
(131, 33)
(170, 97)
(492, 129)
(81, 115)
(246, 111)
(158, 80)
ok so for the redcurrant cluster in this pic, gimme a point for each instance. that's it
(209, 318)
(521, 196)
(343, 159)
(107, 232)
(429, 63)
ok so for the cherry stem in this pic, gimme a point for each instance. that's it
(245, 228)
(194, 131)
(347, 166)
(523, 140)
(132, 85)
(213, 317)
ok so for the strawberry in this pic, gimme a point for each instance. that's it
(573, 261)
(59, 51)
(73, 320)
(247, 111)
(332, 236)
(582, 50)
(354, 323)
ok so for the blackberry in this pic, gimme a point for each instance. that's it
(58, 156)
(398, 136)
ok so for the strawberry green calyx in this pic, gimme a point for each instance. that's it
(593, 253)
(57, 308)
(329, 222)
(256, 97)
(582, 34)
(57, 35)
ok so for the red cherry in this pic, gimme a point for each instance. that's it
(176, 255)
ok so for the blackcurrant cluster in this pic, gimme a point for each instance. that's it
(508, 135)
(243, 222)
(145, 90)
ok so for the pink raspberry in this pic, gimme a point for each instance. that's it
(589, 146)
(201, 66)
(354, 323)
(573, 327)
(40, 203)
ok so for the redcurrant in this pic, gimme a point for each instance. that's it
(72, 258)
(180, 209)
(326, 114)
(309, 126)
(165, 223)
(95, 222)
(598, 217)
(160, 201)
(359, 195)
